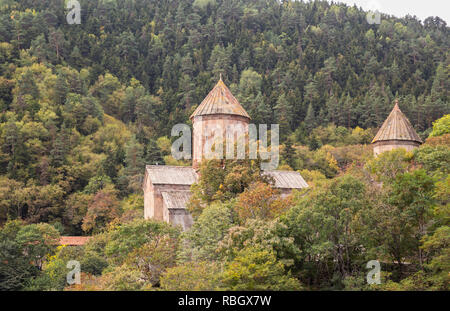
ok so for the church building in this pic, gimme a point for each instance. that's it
(167, 188)
(396, 132)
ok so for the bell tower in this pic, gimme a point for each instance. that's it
(396, 132)
(219, 113)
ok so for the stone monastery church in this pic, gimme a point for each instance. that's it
(167, 188)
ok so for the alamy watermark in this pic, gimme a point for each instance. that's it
(213, 141)
(74, 15)
(74, 276)
(374, 275)
(374, 15)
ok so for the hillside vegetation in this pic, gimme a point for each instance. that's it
(84, 107)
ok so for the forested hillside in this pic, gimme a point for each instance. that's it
(84, 107)
(281, 58)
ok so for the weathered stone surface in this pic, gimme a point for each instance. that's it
(154, 202)
(220, 101)
(167, 188)
(396, 132)
(207, 129)
(383, 146)
(287, 179)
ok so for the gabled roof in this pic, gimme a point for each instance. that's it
(220, 101)
(74, 240)
(397, 127)
(176, 199)
(171, 175)
(287, 179)
(181, 175)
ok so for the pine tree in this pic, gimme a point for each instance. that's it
(310, 119)
(59, 150)
(283, 115)
(134, 164)
(153, 155)
(61, 90)
(288, 154)
(313, 143)
(334, 112)
(346, 115)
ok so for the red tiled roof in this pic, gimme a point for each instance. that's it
(73, 240)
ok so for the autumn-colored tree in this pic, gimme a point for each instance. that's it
(103, 209)
(122, 278)
(223, 180)
(75, 209)
(260, 200)
(389, 164)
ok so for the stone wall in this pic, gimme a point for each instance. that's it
(203, 133)
(149, 202)
(284, 192)
(153, 200)
(180, 217)
(383, 146)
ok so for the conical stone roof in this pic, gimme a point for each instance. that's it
(220, 101)
(397, 127)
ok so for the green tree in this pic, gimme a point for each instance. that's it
(413, 193)
(102, 210)
(154, 258)
(310, 119)
(193, 276)
(389, 164)
(24, 251)
(284, 116)
(288, 154)
(325, 225)
(201, 241)
(260, 200)
(438, 245)
(257, 269)
(441, 126)
(135, 165)
(221, 181)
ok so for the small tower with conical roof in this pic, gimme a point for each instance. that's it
(396, 132)
(219, 110)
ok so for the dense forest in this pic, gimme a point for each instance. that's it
(84, 107)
